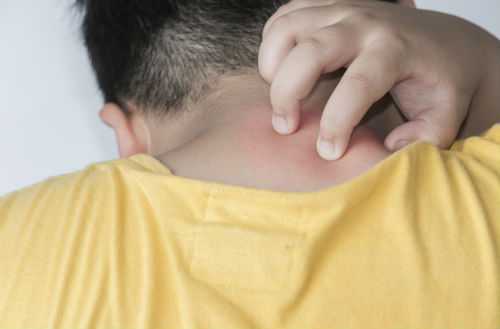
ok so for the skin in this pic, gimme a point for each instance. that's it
(422, 58)
(228, 137)
(267, 154)
(248, 152)
(239, 146)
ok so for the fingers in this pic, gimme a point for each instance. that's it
(406, 134)
(288, 30)
(327, 51)
(308, 38)
(436, 126)
(367, 80)
(437, 123)
(294, 6)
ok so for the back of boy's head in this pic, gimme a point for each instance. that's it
(163, 54)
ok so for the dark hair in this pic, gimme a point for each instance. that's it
(159, 54)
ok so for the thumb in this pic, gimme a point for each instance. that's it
(421, 129)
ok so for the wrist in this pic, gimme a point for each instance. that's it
(492, 51)
(484, 109)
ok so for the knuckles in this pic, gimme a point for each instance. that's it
(283, 22)
(361, 16)
(390, 38)
(314, 46)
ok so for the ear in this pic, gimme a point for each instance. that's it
(409, 3)
(128, 139)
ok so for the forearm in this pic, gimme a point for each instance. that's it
(485, 107)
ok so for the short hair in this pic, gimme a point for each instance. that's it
(161, 54)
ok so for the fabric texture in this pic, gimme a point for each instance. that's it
(413, 243)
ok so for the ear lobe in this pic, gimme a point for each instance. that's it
(128, 143)
(111, 115)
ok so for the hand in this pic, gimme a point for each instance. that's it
(431, 63)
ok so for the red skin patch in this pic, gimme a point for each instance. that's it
(282, 156)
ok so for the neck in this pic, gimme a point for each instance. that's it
(249, 153)
(238, 146)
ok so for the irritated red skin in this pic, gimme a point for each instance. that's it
(295, 155)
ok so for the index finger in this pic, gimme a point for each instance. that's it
(327, 51)
(292, 25)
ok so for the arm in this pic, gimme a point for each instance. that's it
(436, 66)
(485, 107)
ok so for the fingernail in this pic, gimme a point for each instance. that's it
(327, 150)
(281, 124)
(400, 144)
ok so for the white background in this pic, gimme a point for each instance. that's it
(49, 104)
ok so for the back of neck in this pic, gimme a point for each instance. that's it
(244, 150)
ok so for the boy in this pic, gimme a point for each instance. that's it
(212, 220)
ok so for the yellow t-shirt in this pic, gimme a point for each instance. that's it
(411, 244)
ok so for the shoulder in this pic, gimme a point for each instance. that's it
(95, 183)
(484, 149)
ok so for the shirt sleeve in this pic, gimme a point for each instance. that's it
(49, 232)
